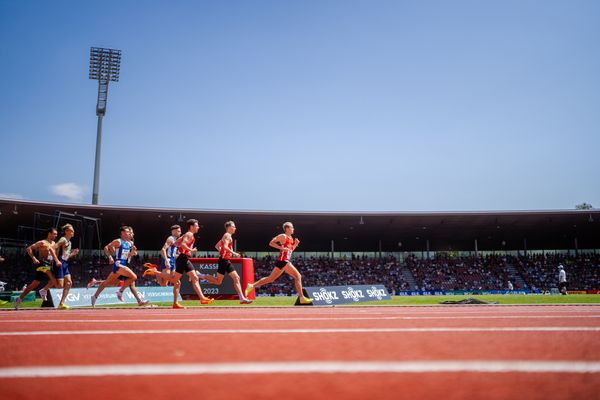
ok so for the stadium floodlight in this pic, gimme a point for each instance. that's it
(105, 65)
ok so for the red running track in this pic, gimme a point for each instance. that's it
(545, 352)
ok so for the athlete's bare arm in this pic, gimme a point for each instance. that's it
(226, 240)
(179, 241)
(163, 251)
(184, 240)
(277, 241)
(34, 246)
(109, 249)
(61, 243)
(53, 253)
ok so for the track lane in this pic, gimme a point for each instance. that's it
(97, 349)
(424, 386)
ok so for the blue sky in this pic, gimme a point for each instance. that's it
(306, 105)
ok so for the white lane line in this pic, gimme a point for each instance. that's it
(207, 319)
(169, 313)
(267, 319)
(302, 367)
(319, 311)
(304, 330)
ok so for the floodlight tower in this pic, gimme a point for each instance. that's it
(105, 65)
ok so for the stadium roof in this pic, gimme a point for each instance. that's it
(350, 231)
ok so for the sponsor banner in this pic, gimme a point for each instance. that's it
(420, 293)
(332, 295)
(501, 292)
(576, 292)
(457, 292)
(81, 297)
(593, 292)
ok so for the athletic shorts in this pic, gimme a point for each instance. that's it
(183, 264)
(163, 264)
(117, 265)
(281, 264)
(225, 267)
(41, 272)
(62, 271)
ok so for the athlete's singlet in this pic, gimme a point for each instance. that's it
(224, 254)
(285, 255)
(65, 251)
(190, 245)
(172, 249)
(122, 252)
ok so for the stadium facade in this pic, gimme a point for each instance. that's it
(398, 232)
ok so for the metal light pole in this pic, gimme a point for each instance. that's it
(105, 65)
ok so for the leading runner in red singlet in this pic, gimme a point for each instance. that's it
(286, 245)
(183, 265)
(225, 249)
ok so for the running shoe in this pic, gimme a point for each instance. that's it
(93, 298)
(143, 302)
(245, 301)
(248, 289)
(18, 303)
(150, 271)
(63, 307)
(177, 305)
(150, 265)
(305, 300)
(208, 300)
(44, 294)
(120, 295)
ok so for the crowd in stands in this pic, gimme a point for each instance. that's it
(442, 273)
(462, 273)
(539, 271)
(16, 268)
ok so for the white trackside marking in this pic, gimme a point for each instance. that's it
(307, 330)
(328, 319)
(331, 313)
(302, 367)
(207, 319)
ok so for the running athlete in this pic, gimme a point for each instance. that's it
(164, 273)
(43, 268)
(286, 245)
(62, 273)
(183, 265)
(225, 249)
(123, 248)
